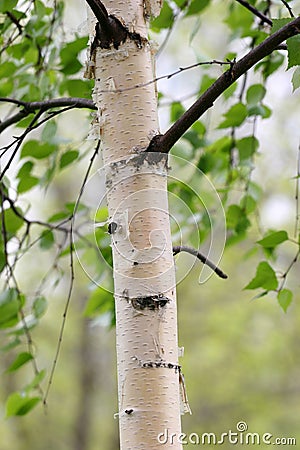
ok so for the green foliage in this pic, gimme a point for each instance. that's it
(274, 239)
(285, 297)
(235, 116)
(37, 150)
(10, 305)
(292, 44)
(40, 61)
(165, 19)
(265, 278)
(20, 360)
(20, 404)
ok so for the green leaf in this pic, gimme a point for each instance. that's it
(69, 53)
(11, 344)
(247, 146)
(228, 93)
(181, 3)
(59, 216)
(176, 111)
(265, 277)
(259, 110)
(239, 20)
(165, 19)
(207, 162)
(279, 23)
(25, 169)
(9, 308)
(7, 5)
(12, 222)
(27, 183)
(6, 87)
(39, 306)
(293, 45)
(196, 6)
(77, 88)
(101, 214)
(99, 302)
(273, 239)
(255, 94)
(296, 79)
(19, 405)
(38, 150)
(236, 219)
(36, 381)
(206, 82)
(270, 64)
(248, 204)
(46, 239)
(2, 257)
(235, 116)
(49, 131)
(7, 68)
(68, 157)
(260, 295)
(20, 360)
(285, 297)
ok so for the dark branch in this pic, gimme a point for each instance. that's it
(202, 258)
(109, 29)
(255, 11)
(164, 143)
(31, 107)
(100, 11)
(288, 8)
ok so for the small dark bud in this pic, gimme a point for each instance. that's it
(112, 226)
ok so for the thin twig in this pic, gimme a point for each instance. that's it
(296, 232)
(72, 276)
(11, 276)
(62, 328)
(288, 8)
(255, 11)
(168, 76)
(284, 276)
(27, 221)
(201, 257)
(31, 107)
(20, 140)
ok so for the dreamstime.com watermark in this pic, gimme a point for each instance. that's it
(241, 436)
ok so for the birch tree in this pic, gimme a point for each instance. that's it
(120, 85)
(144, 276)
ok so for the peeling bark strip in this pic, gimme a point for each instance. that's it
(136, 182)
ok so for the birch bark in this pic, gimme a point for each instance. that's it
(144, 275)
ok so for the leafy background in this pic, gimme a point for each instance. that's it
(241, 354)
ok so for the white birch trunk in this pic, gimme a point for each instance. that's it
(144, 275)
